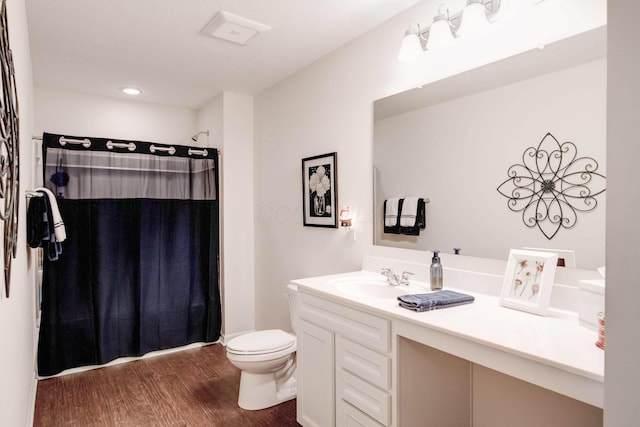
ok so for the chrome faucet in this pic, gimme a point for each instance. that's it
(393, 278)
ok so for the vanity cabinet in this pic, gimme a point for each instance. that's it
(344, 365)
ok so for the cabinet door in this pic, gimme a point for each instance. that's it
(348, 416)
(367, 364)
(367, 398)
(316, 386)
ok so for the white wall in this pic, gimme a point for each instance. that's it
(457, 153)
(17, 313)
(209, 117)
(328, 107)
(229, 117)
(71, 113)
(623, 228)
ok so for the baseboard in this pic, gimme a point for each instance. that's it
(32, 402)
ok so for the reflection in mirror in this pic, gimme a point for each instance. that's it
(452, 141)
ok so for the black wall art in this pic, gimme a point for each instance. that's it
(9, 150)
(552, 185)
(319, 190)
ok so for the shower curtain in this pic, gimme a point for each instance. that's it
(139, 269)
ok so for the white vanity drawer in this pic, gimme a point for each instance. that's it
(348, 416)
(366, 364)
(364, 328)
(367, 398)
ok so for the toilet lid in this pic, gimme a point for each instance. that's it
(261, 342)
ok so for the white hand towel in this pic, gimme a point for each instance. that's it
(391, 212)
(409, 212)
(58, 225)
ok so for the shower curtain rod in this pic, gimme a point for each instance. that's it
(86, 143)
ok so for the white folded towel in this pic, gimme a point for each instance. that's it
(58, 225)
(391, 212)
(409, 212)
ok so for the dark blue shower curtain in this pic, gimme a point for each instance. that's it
(136, 274)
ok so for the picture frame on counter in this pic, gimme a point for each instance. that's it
(528, 281)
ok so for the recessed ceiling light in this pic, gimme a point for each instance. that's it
(131, 91)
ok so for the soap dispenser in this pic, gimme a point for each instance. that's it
(436, 272)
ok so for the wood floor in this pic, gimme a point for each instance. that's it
(197, 387)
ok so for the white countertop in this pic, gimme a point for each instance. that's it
(556, 341)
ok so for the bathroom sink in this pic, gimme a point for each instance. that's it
(368, 287)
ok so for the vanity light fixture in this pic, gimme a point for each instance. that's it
(475, 18)
(131, 91)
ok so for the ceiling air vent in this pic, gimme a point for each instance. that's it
(233, 28)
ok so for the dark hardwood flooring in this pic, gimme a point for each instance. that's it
(196, 387)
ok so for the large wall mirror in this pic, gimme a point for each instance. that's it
(453, 141)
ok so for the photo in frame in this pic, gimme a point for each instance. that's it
(528, 281)
(319, 190)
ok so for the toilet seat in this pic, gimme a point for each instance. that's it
(261, 343)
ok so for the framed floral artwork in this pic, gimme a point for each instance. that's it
(319, 190)
(528, 281)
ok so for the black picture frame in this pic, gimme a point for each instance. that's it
(320, 191)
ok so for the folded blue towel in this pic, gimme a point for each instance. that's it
(434, 300)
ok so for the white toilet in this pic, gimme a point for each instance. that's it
(267, 363)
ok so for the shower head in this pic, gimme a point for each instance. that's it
(202, 132)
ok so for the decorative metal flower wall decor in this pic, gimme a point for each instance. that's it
(9, 149)
(552, 185)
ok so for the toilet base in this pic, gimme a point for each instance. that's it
(260, 391)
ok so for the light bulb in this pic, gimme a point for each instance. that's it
(440, 35)
(474, 20)
(411, 48)
(131, 91)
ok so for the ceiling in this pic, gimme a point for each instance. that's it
(101, 46)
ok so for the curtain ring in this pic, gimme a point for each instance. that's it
(170, 150)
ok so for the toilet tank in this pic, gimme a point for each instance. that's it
(291, 292)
